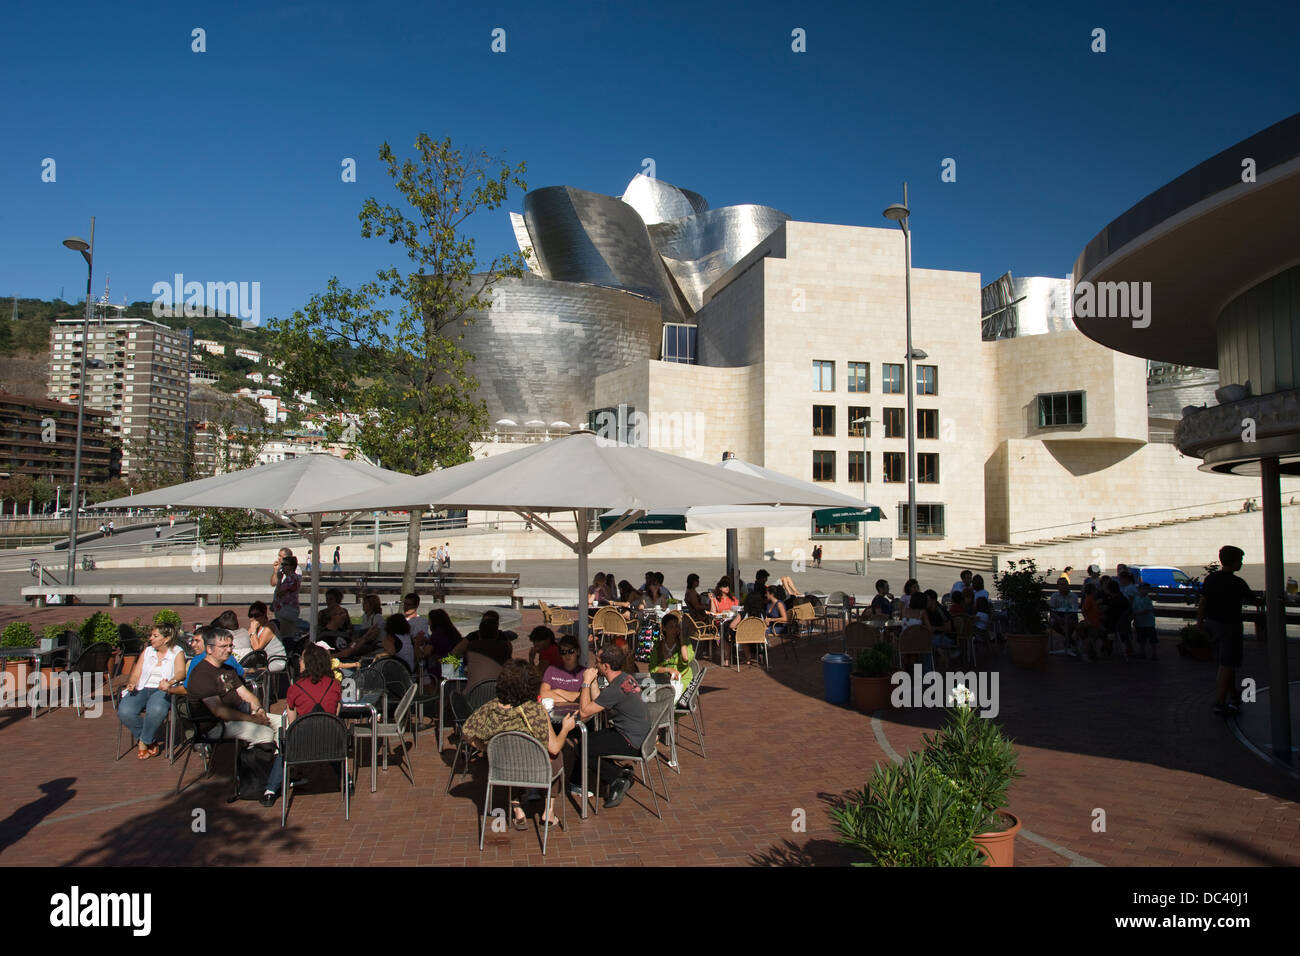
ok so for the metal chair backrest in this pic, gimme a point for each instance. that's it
(915, 640)
(94, 659)
(691, 692)
(481, 693)
(660, 708)
(396, 677)
(254, 659)
(837, 597)
(516, 759)
(858, 634)
(404, 706)
(195, 718)
(370, 681)
(315, 737)
(751, 631)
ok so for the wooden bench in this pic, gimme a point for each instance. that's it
(199, 594)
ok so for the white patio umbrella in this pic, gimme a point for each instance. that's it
(285, 492)
(584, 474)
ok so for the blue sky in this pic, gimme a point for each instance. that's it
(225, 165)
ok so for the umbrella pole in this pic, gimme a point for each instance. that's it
(315, 569)
(583, 517)
(733, 561)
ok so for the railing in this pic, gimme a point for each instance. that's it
(1109, 522)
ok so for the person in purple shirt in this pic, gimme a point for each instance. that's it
(563, 684)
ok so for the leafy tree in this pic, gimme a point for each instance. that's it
(224, 527)
(407, 372)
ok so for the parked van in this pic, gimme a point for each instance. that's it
(1162, 577)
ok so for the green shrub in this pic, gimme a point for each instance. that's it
(167, 616)
(98, 629)
(53, 632)
(971, 751)
(909, 815)
(18, 634)
(875, 661)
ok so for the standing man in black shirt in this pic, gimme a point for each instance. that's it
(1219, 612)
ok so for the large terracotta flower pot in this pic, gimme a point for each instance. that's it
(1028, 650)
(1000, 845)
(870, 693)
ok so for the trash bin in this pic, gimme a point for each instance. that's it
(836, 669)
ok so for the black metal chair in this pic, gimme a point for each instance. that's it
(314, 738)
(69, 651)
(479, 695)
(201, 731)
(93, 660)
(518, 760)
(396, 678)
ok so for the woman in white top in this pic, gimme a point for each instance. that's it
(158, 673)
(262, 637)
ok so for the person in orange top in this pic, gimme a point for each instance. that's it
(1091, 628)
(721, 600)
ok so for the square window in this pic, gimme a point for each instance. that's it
(823, 466)
(895, 423)
(1058, 409)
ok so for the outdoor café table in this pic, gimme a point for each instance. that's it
(367, 703)
(443, 701)
(557, 717)
(36, 656)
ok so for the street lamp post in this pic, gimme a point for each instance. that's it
(900, 213)
(864, 422)
(87, 250)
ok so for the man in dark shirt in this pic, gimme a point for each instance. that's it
(223, 692)
(1219, 613)
(628, 714)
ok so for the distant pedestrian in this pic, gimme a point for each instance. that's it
(1094, 526)
(157, 531)
(103, 529)
(435, 560)
(112, 529)
(446, 555)
(817, 555)
(338, 557)
(1219, 613)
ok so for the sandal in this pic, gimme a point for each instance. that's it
(149, 752)
(521, 822)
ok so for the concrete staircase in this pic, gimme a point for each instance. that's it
(981, 558)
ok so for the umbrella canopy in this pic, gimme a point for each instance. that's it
(281, 491)
(587, 474)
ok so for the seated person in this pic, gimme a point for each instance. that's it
(317, 691)
(333, 617)
(916, 610)
(416, 622)
(629, 720)
(229, 620)
(352, 645)
(696, 606)
(442, 638)
(882, 603)
(1063, 610)
(516, 708)
(940, 620)
(562, 682)
(1090, 629)
(198, 650)
(983, 611)
(777, 619)
(960, 605)
(484, 652)
(262, 637)
(721, 601)
(596, 594)
(219, 689)
(1144, 620)
(396, 641)
(671, 658)
(158, 674)
(543, 653)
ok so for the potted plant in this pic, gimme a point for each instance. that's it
(909, 815)
(167, 616)
(450, 666)
(98, 629)
(17, 634)
(972, 752)
(872, 668)
(1196, 643)
(1023, 589)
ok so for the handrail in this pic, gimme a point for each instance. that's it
(1137, 514)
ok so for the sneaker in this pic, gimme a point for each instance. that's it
(617, 790)
(575, 791)
(268, 798)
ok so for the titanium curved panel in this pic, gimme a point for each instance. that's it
(698, 250)
(579, 236)
(525, 242)
(657, 201)
(538, 354)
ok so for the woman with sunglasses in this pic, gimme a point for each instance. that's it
(563, 683)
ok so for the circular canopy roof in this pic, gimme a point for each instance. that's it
(1200, 241)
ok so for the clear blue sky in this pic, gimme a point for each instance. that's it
(225, 165)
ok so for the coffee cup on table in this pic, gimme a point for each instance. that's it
(548, 703)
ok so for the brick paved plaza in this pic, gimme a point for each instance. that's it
(1136, 740)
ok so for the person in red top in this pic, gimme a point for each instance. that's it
(315, 692)
(544, 653)
(722, 601)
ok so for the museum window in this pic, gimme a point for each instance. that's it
(927, 423)
(895, 423)
(1057, 409)
(824, 420)
(856, 470)
(929, 520)
(927, 468)
(891, 379)
(847, 529)
(857, 427)
(823, 466)
(927, 380)
(823, 376)
(859, 377)
(895, 467)
(679, 343)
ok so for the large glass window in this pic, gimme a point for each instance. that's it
(823, 466)
(927, 468)
(858, 427)
(929, 520)
(824, 420)
(927, 380)
(859, 377)
(895, 423)
(856, 469)
(679, 343)
(891, 379)
(823, 376)
(895, 467)
(927, 423)
(1062, 408)
(848, 529)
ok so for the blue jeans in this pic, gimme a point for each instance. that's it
(143, 712)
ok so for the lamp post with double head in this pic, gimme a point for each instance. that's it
(87, 250)
(899, 213)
